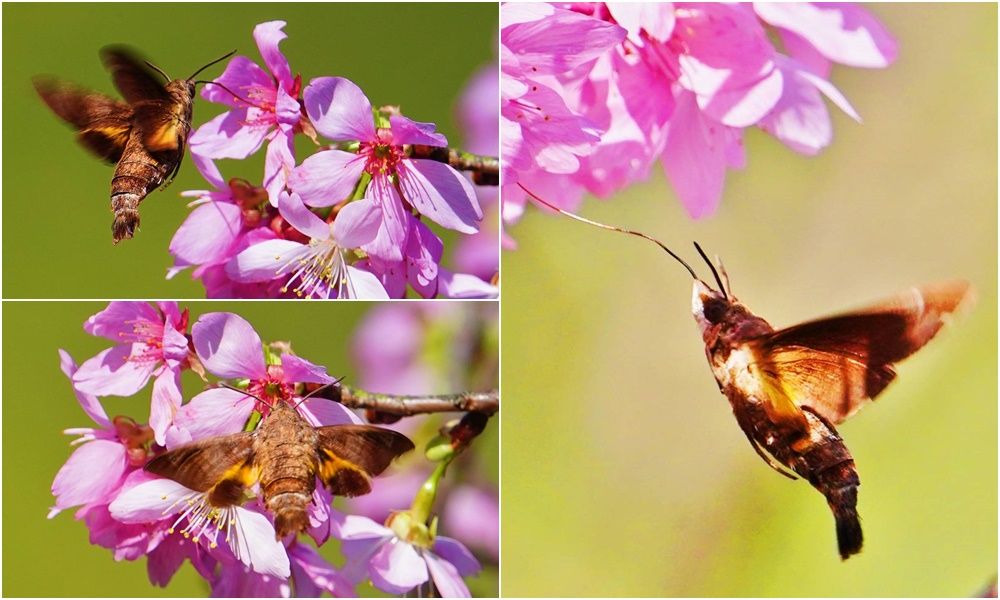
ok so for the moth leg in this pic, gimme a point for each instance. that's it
(771, 462)
(175, 170)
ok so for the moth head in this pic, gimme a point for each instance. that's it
(709, 306)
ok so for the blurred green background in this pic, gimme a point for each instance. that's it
(624, 472)
(53, 557)
(57, 226)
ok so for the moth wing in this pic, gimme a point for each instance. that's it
(103, 124)
(136, 81)
(222, 464)
(161, 125)
(837, 365)
(350, 455)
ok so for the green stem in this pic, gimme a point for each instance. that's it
(423, 502)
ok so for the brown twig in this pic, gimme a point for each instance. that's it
(487, 403)
(485, 169)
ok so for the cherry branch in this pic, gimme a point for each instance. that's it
(486, 403)
(485, 169)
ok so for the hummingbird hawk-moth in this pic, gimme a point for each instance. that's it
(285, 454)
(788, 388)
(144, 136)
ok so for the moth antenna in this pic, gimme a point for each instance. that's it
(220, 59)
(246, 393)
(318, 390)
(725, 275)
(231, 92)
(157, 69)
(715, 273)
(612, 228)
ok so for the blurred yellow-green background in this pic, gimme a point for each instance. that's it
(624, 472)
(43, 557)
(57, 225)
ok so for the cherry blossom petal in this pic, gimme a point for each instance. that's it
(313, 574)
(441, 193)
(300, 217)
(79, 481)
(356, 528)
(463, 285)
(653, 18)
(383, 192)
(268, 36)
(554, 40)
(240, 74)
(88, 402)
(695, 158)
(357, 223)
(446, 578)
(321, 514)
(396, 567)
(207, 234)
(229, 136)
(256, 546)
(168, 556)
(327, 177)
(118, 317)
(406, 131)
(457, 554)
(339, 109)
(111, 373)
(209, 170)
(174, 345)
(147, 501)
(843, 33)
(279, 160)
(217, 411)
(261, 262)
(165, 404)
(320, 412)
(300, 370)
(228, 346)
(364, 285)
(728, 63)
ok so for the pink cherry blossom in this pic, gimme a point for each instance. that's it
(117, 445)
(679, 87)
(265, 106)
(396, 566)
(340, 111)
(319, 268)
(226, 220)
(150, 343)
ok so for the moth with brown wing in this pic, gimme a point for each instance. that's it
(788, 388)
(144, 136)
(285, 454)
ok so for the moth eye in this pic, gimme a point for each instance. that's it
(715, 309)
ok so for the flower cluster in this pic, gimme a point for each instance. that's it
(593, 94)
(345, 222)
(134, 513)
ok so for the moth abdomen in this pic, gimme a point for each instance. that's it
(289, 510)
(829, 467)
